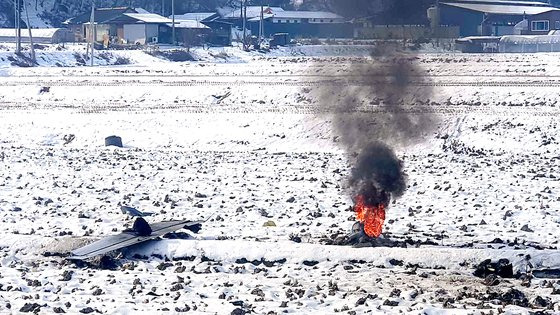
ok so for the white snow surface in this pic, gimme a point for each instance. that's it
(148, 17)
(77, 55)
(234, 138)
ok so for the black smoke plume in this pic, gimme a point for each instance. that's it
(381, 108)
(377, 175)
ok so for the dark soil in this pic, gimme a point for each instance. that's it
(172, 55)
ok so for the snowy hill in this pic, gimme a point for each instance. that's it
(51, 13)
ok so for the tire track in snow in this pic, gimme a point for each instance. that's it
(268, 83)
(289, 109)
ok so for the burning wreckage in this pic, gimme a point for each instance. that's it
(377, 178)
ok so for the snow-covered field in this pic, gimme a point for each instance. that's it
(77, 55)
(250, 141)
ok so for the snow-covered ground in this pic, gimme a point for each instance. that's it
(77, 55)
(239, 139)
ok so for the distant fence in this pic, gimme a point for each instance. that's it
(412, 32)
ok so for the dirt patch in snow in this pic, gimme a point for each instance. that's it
(172, 55)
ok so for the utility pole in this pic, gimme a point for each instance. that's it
(173, 18)
(15, 20)
(244, 13)
(17, 25)
(261, 25)
(30, 35)
(162, 7)
(92, 31)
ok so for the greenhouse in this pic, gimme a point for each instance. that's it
(40, 35)
(529, 44)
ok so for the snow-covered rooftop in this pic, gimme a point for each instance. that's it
(503, 8)
(300, 15)
(531, 39)
(142, 10)
(36, 32)
(193, 16)
(188, 24)
(148, 17)
(306, 15)
(503, 2)
(470, 39)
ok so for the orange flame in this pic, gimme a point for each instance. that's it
(372, 217)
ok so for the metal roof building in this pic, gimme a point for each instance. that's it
(490, 17)
(303, 15)
(507, 7)
(188, 24)
(305, 24)
(148, 18)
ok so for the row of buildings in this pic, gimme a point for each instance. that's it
(126, 25)
(500, 25)
(135, 26)
(446, 19)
